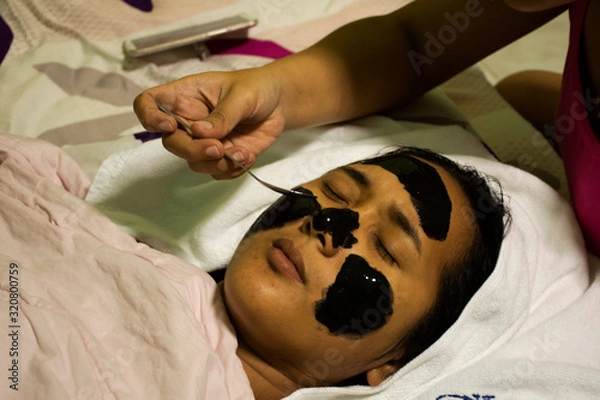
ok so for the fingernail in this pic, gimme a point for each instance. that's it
(239, 157)
(212, 152)
(204, 124)
(165, 127)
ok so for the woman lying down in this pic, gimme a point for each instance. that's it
(342, 288)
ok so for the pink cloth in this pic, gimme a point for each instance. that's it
(579, 146)
(251, 47)
(89, 313)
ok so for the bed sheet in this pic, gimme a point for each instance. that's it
(64, 79)
(88, 312)
(65, 72)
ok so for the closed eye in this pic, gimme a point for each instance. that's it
(332, 194)
(383, 251)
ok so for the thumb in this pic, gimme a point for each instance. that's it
(222, 119)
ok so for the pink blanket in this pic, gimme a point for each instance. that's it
(89, 313)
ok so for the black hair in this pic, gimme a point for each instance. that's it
(461, 278)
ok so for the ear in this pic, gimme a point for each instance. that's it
(379, 374)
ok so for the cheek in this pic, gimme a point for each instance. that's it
(247, 278)
(285, 209)
(258, 304)
(359, 302)
(415, 296)
(273, 319)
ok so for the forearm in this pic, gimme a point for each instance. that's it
(350, 73)
(380, 62)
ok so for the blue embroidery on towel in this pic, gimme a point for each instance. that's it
(474, 396)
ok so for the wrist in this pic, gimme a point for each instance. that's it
(305, 83)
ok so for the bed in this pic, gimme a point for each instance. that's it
(71, 146)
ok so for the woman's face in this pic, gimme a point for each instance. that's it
(325, 289)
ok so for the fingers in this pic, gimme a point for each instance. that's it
(231, 109)
(211, 115)
(215, 105)
(206, 155)
(224, 168)
(192, 149)
(151, 118)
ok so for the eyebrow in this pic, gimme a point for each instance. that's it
(358, 177)
(396, 215)
(402, 221)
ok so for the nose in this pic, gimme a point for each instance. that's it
(325, 240)
(333, 228)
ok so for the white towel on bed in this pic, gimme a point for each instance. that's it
(530, 332)
(153, 195)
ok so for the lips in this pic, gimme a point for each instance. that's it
(285, 258)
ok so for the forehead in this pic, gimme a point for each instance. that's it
(427, 190)
(439, 198)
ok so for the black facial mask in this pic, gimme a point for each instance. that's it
(427, 191)
(339, 223)
(360, 299)
(284, 210)
(358, 302)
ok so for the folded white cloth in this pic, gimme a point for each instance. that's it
(531, 330)
(154, 196)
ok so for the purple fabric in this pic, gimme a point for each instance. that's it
(144, 5)
(147, 136)
(251, 47)
(6, 38)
